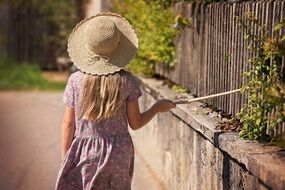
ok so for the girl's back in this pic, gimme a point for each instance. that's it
(101, 151)
(117, 123)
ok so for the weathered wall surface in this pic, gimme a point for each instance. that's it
(184, 151)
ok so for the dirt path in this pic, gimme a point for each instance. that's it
(30, 143)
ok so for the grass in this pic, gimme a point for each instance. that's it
(15, 76)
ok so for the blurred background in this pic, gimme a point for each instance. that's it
(33, 37)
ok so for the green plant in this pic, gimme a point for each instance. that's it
(278, 141)
(179, 89)
(58, 20)
(265, 88)
(153, 21)
(168, 3)
(182, 22)
(15, 76)
(49, 30)
(153, 25)
(141, 67)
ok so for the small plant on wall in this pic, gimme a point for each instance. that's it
(265, 87)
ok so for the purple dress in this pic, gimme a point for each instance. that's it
(101, 156)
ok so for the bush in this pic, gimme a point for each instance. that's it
(153, 25)
(265, 86)
(14, 76)
(45, 36)
(153, 22)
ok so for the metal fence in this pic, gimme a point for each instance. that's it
(212, 53)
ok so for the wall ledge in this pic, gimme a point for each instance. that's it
(267, 163)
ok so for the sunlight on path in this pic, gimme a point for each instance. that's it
(30, 143)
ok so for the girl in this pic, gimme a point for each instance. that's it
(101, 100)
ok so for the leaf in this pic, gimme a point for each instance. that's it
(257, 122)
(247, 74)
(246, 36)
(242, 133)
(250, 136)
(243, 88)
(279, 26)
(249, 46)
(245, 126)
(279, 120)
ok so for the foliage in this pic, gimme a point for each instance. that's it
(141, 67)
(265, 88)
(154, 28)
(179, 89)
(154, 23)
(54, 22)
(14, 76)
(168, 3)
(278, 141)
(182, 22)
(59, 19)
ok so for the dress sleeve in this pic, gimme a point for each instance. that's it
(134, 89)
(68, 95)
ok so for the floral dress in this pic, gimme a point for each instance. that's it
(101, 156)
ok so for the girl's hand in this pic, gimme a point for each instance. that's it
(164, 105)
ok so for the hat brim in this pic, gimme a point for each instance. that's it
(124, 53)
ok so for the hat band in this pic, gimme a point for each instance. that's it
(93, 57)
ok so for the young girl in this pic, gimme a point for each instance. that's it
(101, 100)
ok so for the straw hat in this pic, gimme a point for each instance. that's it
(102, 44)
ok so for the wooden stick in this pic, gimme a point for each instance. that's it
(206, 97)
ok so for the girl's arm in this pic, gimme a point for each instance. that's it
(138, 120)
(67, 130)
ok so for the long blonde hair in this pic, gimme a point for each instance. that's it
(102, 96)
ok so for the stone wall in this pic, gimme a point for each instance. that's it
(184, 151)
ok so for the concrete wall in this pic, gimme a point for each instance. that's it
(184, 151)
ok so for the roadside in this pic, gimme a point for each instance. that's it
(56, 76)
